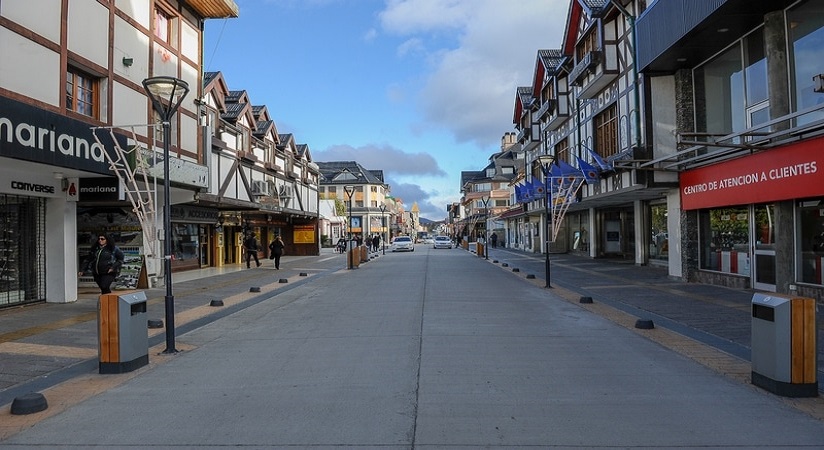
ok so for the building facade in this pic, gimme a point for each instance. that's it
(370, 208)
(739, 89)
(62, 114)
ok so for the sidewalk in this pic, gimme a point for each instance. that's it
(46, 343)
(713, 315)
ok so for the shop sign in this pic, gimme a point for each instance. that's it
(785, 173)
(193, 214)
(106, 189)
(41, 136)
(303, 234)
(29, 184)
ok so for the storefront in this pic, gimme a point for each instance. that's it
(760, 218)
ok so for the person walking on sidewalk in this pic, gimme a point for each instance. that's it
(493, 240)
(276, 250)
(104, 262)
(251, 246)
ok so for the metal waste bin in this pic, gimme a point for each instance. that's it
(783, 353)
(123, 332)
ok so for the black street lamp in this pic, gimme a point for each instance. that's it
(383, 225)
(349, 190)
(166, 94)
(545, 161)
(485, 200)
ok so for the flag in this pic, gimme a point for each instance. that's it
(517, 188)
(526, 192)
(600, 161)
(538, 188)
(589, 171)
(569, 173)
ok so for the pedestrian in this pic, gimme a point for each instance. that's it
(250, 245)
(493, 240)
(104, 262)
(341, 246)
(376, 242)
(276, 250)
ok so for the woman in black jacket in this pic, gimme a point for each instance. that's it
(104, 261)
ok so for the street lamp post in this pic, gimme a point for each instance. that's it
(545, 161)
(383, 225)
(349, 190)
(166, 94)
(485, 200)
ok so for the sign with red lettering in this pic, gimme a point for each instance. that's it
(784, 173)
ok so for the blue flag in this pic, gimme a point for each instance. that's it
(589, 171)
(605, 166)
(538, 188)
(569, 173)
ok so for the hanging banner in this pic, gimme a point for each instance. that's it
(785, 173)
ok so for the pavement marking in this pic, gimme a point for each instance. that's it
(728, 365)
(19, 348)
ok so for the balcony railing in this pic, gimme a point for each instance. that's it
(544, 109)
(587, 64)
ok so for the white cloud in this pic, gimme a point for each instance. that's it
(471, 88)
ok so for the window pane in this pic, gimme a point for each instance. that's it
(719, 88)
(811, 218)
(756, 70)
(806, 34)
(724, 240)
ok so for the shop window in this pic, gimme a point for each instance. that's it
(22, 243)
(811, 236)
(659, 241)
(724, 239)
(82, 92)
(606, 131)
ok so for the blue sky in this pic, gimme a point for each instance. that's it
(421, 89)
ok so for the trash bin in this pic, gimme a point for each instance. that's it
(123, 332)
(783, 353)
(354, 257)
(364, 253)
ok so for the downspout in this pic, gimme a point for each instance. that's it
(635, 87)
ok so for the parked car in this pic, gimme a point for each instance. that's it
(442, 242)
(402, 244)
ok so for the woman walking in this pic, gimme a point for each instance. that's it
(104, 261)
(276, 250)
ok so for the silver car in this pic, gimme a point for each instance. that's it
(441, 242)
(402, 244)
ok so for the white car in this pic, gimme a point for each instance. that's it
(402, 244)
(441, 242)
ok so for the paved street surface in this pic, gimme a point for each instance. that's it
(431, 349)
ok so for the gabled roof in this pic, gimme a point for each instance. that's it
(263, 127)
(546, 64)
(523, 100)
(580, 10)
(302, 152)
(214, 84)
(346, 172)
(287, 142)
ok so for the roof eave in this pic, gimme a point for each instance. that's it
(215, 9)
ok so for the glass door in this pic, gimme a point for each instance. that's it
(763, 273)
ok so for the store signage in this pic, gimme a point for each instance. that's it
(784, 173)
(106, 189)
(33, 185)
(193, 214)
(41, 136)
